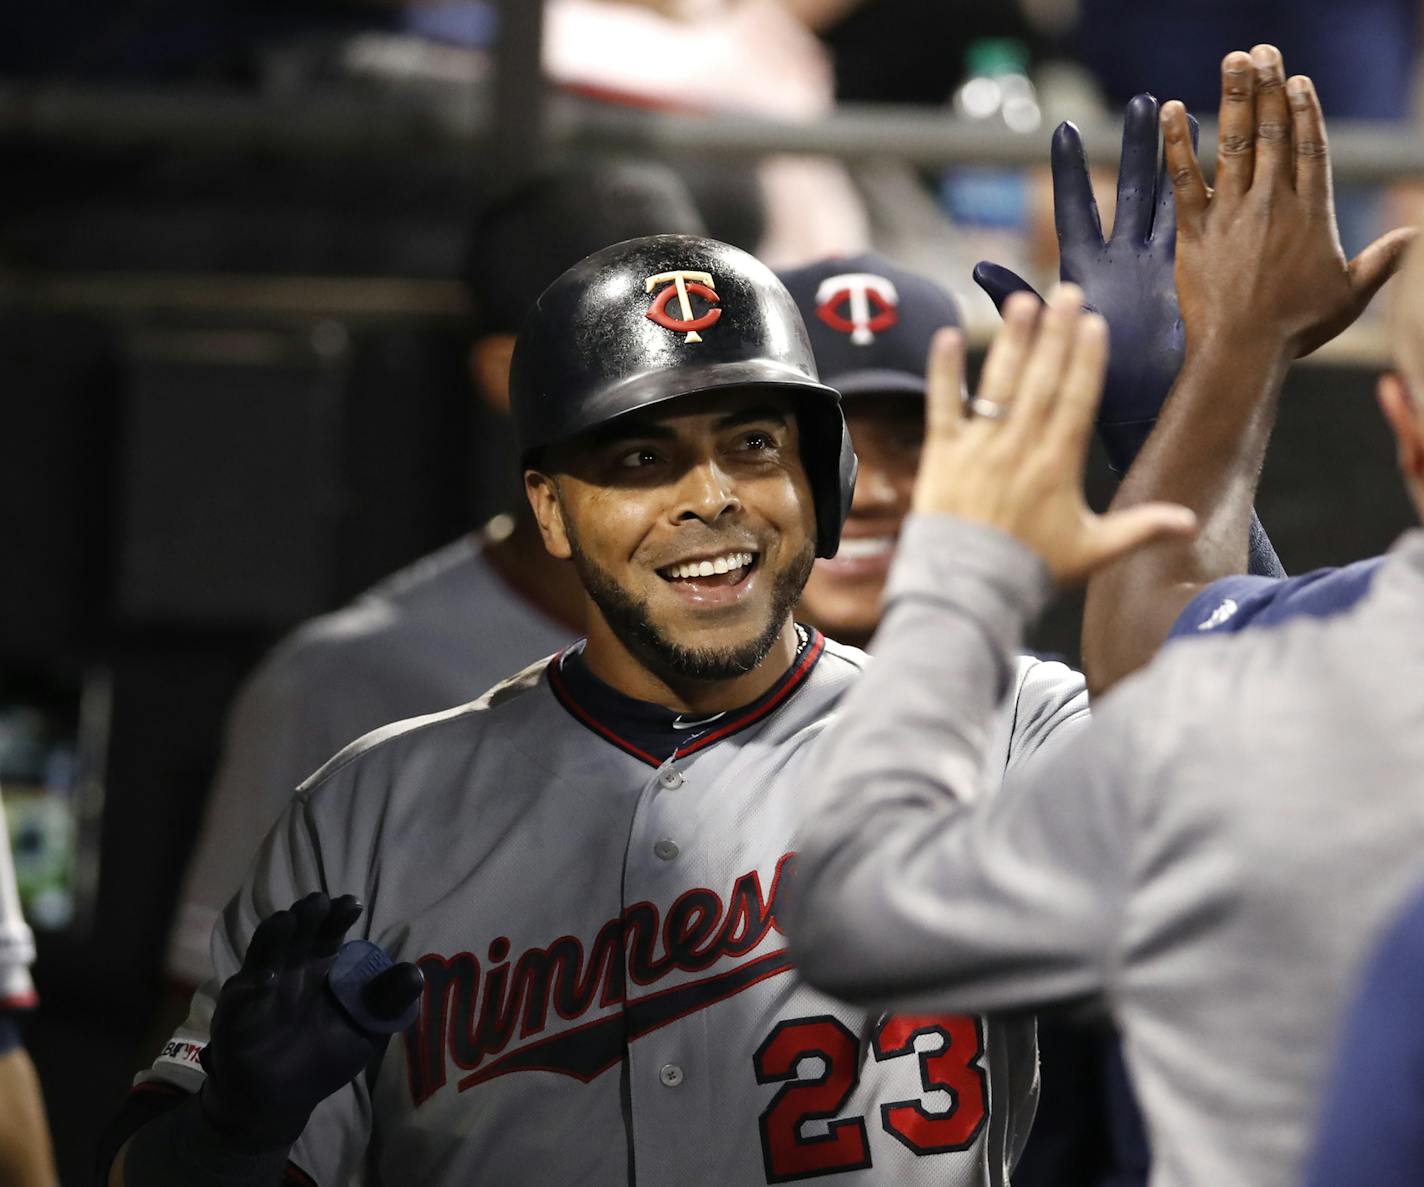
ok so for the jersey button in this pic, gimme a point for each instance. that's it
(671, 778)
(670, 1074)
(666, 849)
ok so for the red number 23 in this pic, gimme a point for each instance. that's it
(953, 1068)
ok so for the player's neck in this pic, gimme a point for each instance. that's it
(514, 548)
(609, 660)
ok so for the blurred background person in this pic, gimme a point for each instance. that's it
(26, 1159)
(743, 57)
(870, 324)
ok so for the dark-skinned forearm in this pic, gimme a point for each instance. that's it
(1206, 453)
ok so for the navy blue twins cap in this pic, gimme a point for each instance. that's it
(870, 322)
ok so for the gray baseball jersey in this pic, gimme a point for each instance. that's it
(17, 944)
(435, 635)
(593, 888)
(1212, 857)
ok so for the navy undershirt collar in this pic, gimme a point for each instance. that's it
(655, 733)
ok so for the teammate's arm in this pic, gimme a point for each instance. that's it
(26, 1158)
(908, 889)
(1261, 279)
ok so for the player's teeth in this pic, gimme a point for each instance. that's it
(721, 564)
(852, 549)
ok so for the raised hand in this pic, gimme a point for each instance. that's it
(281, 1040)
(1259, 256)
(1127, 277)
(1013, 457)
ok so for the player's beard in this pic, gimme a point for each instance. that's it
(629, 619)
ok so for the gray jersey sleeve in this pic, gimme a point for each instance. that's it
(909, 890)
(290, 864)
(278, 733)
(1045, 704)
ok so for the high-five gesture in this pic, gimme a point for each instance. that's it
(1125, 276)
(1261, 280)
(1260, 254)
(1013, 457)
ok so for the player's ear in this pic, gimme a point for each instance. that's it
(490, 357)
(549, 512)
(1398, 408)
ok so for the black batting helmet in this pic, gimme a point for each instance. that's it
(654, 319)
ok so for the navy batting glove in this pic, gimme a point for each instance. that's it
(1128, 278)
(283, 1037)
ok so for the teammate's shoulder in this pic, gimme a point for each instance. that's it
(1244, 603)
(449, 572)
(443, 575)
(1045, 671)
(464, 725)
(369, 635)
(1044, 695)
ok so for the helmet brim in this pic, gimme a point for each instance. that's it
(653, 390)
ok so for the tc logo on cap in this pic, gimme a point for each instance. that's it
(681, 284)
(870, 305)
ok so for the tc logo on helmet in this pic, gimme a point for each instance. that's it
(681, 284)
(869, 300)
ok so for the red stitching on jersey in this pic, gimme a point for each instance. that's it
(295, 1175)
(565, 698)
(791, 682)
(159, 1086)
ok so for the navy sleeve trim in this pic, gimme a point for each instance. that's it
(1235, 604)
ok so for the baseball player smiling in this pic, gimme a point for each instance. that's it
(589, 864)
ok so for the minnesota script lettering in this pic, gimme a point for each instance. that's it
(469, 1013)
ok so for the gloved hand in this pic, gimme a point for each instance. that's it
(282, 1041)
(1128, 279)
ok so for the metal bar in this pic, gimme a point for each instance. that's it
(135, 294)
(366, 300)
(328, 124)
(456, 125)
(1360, 150)
(519, 92)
